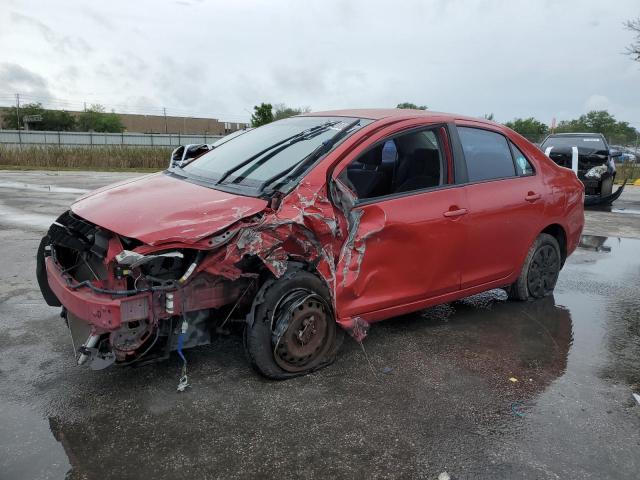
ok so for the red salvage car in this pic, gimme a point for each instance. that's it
(306, 228)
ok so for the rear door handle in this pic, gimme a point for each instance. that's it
(532, 197)
(455, 213)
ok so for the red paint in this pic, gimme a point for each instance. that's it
(159, 209)
(107, 312)
(385, 258)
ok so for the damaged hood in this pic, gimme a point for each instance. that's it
(158, 208)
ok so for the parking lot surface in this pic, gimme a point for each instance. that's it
(482, 388)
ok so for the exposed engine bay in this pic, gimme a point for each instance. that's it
(154, 296)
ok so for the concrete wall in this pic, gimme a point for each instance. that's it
(88, 139)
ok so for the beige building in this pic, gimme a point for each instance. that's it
(161, 124)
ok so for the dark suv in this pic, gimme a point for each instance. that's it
(589, 155)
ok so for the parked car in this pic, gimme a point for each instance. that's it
(589, 155)
(305, 228)
(626, 154)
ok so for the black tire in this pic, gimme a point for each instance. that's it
(41, 275)
(540, 270)
(272, 327)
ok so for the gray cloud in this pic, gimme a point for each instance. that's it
(15, 78)
(64, 43)
(515, 58)
(99, 18)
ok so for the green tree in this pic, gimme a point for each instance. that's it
(96, 119)
(411, 106)
(528, 127)
(57, 120)
(282, 111)
(634, 49)
(262, 114)
(600, 121)
(489, 116)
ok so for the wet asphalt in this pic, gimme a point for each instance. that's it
(481, 388)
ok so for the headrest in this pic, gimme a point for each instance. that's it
(429, 161)
(373, 157)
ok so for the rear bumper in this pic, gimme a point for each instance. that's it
(101, 310)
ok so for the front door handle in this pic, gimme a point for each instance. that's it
(532, 197)
(455, 213)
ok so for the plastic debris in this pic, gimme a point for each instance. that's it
(637, 397)
(387, 370)
(513, 379)
(444, 476)
(358, 328)
(515, 409)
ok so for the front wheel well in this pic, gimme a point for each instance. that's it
(556, 231)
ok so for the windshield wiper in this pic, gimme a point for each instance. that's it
(309, 134)
(295, 169)
(286, 142)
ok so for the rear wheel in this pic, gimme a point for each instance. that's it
(293, 329)
(540, 270)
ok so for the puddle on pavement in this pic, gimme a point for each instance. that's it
(41, 188)
(604, 297)
(27, 436)
(612, 209)
(564, 346)
(625, 210)
(14, 217)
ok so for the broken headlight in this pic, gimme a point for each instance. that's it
(596, 172)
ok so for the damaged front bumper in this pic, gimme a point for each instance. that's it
(107, 312)
(118, 311)
(104, 312)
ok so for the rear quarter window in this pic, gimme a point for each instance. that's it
(487, 154)
(523, 166)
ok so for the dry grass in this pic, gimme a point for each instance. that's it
(85, 158)
(627, 170)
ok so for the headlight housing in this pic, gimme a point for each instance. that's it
(596, 172)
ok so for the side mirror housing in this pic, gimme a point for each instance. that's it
(176, 157)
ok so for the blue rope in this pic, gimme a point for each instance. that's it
(180, 344)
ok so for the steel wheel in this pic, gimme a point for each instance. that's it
(543, 271)
(301, 331)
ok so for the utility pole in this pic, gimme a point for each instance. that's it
(18, 109)
(164, 110)
(85, 106)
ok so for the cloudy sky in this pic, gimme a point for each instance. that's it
(212, 57)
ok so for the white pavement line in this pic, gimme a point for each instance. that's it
(42, 188)
(12, 217)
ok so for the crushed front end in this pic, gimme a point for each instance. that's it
(124, 303)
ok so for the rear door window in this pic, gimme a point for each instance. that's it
(487, 154)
